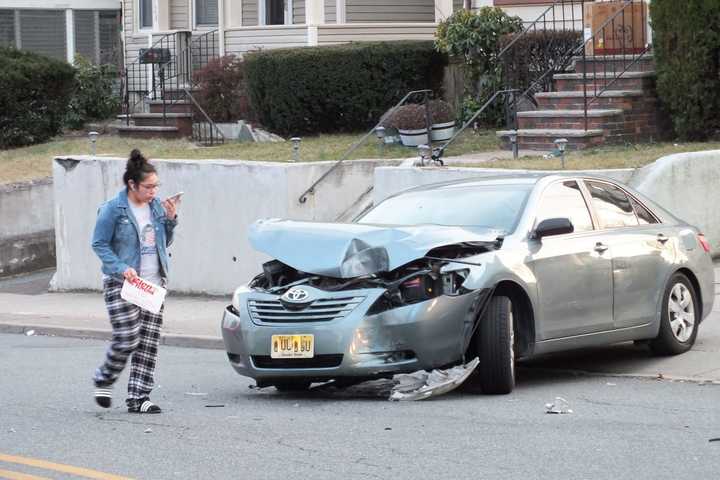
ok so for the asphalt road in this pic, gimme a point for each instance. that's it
(215, 427)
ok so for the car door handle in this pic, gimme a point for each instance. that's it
(600, 247)
(662, 238)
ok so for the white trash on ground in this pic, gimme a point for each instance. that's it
(560, 406)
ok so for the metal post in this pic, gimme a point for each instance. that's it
(93, 140)
(380, 134)
(514, 144)
(295, 149)
(561, 144)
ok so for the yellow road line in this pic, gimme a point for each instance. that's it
(59, 467)
(8, 475)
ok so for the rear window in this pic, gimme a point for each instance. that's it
(494, 206)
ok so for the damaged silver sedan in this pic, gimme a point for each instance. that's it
(500, 268)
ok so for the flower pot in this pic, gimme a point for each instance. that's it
(442, 131)
(413, 138)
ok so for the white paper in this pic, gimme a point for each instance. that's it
(144, 294)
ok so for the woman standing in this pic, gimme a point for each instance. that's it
(132, 233)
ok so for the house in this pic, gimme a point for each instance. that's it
(61, 30)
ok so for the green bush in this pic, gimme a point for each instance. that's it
(686, 42)
(475, 38)
(221, 89)
(34, 97)
(337, 88)
(93, 97)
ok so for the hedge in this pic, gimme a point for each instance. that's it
(337, 88)
(686, 43)
(34, 96)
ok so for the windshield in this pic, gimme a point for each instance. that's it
(494, 206)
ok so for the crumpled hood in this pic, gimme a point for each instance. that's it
(348, 250)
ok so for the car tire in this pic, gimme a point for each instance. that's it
(495, 346)
(679, 318)
(292, 385)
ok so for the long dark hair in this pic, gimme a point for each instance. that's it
(137, 168)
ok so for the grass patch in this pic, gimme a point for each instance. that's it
(617, 156)
(36, 161)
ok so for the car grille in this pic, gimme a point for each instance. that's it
(318, 361)
(322, 310)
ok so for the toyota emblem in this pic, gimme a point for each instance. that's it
(296, 295)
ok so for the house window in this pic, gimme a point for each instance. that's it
(274, 12)
(146, 13)
(206, 12)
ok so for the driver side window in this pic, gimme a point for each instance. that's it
(564, 200)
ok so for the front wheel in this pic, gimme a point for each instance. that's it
(495, 342)
(679, 318)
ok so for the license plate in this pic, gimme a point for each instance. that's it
(292, 346)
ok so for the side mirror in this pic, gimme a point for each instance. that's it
(553, 226)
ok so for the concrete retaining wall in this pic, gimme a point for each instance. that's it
(211, 253)
(26, 227)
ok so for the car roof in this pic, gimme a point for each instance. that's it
(519, 178)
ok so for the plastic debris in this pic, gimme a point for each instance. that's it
(30, 333)
(148, 430)
(421, 385)
(559, 406)
(610, 384)
(12, 430)
(196, 394)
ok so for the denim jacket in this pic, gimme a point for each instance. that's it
(116, 240)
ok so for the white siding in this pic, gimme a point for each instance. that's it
(298, 12)
(361, 11)
(330, 11)
(7, 28)
(249, 13)
(330, 34)
(242, 40)
(85, 34)
(129, 23)
(179, 15)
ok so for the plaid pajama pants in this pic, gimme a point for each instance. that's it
(135, 332)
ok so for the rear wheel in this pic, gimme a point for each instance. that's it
(679, 318)
(495, 342)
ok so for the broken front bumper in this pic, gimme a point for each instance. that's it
(422, 335)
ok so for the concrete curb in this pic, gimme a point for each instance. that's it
(173, 340)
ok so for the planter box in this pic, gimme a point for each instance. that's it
(442, 131)
(413, 138)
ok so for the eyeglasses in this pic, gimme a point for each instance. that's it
(152, 186)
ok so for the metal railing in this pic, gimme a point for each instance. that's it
(204, 48)
(425, 95)
(617, 45)
(204, 130)
(163, 67)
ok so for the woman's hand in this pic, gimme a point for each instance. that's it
(130, 274)
(170, 208)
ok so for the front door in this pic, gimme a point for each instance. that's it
(573, 272)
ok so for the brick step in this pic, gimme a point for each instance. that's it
(606, 120)
(149, 132)
(183, 121)
(617, 63)
(622, 99)
(177, 106)
(599, 81)
(542, 139)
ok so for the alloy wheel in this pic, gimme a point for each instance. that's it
(681, 311)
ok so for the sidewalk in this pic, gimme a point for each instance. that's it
(26, 305)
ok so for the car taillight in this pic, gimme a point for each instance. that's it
(703, 241)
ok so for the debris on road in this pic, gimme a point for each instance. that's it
(218, 405)
(148, 430)
(196, 394)
(560, 406)
(714, 440)
(30, 333)
(421, 385)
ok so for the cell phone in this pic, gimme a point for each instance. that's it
(175, 197)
